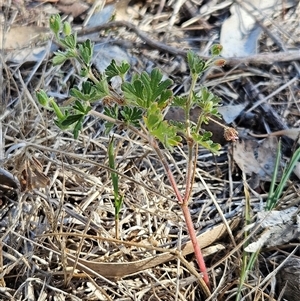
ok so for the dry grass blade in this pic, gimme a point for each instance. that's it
(60, 229)
(116, 270)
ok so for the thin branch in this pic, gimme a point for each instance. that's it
(257, 59)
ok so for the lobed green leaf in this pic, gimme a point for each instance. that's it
(196, 64)
(132, 115)
(179, 101)
(161, 129)
(112, 112)
(86, 51)
(205, 141)
(69, 41)
(146, 89)
(71, 119)
(59, 58)
(133, 92)
(89, 91)
(113, 70)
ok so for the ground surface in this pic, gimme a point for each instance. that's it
(63, 212)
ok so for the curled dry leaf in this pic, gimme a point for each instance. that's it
(32, 175)
(121, 269)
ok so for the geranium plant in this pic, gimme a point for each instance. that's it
(139, 107)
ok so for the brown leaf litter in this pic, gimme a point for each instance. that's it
(65, 215)
(257, 158)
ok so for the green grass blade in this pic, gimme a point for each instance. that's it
(286, 175)
(270, 204)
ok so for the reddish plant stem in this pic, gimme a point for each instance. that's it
(197, 249)
(186, 213)
(183, 202)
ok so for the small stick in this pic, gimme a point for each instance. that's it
(294, 134)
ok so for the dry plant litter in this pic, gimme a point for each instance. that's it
(56, 193)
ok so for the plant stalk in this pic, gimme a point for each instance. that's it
(196, 246)
(183, 202)
(186, 214)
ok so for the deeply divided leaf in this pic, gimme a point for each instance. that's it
(161, 129)
(116, 70)
(86, 51)
(205, 141)
(132, 115)
(59, 58)
(133, 93)
(146, 89)
(179, 101)
(113, 112)
(72, 119)
(89, 91)
(196, 64)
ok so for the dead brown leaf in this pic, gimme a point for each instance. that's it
(33, 175)
(121, 269)
(74, 8)
(257, 158)
(20, 37)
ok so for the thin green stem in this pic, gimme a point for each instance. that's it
(245, 263)
(190, 143)
(188, 106)
(272, 200)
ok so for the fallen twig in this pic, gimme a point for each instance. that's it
(257, 59)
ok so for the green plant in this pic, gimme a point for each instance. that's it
(276, 191)
(274, 195)
(118, 198)
(140, 108)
